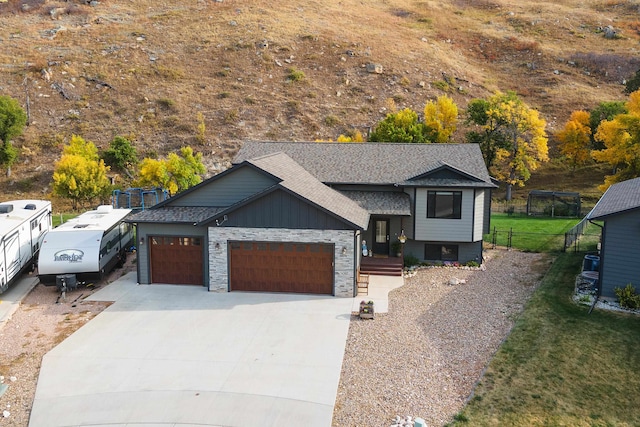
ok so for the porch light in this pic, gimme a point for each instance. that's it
(402, 237)
(344, 250)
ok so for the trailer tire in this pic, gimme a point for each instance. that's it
(122, 259)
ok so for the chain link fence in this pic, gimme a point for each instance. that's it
(584, 239)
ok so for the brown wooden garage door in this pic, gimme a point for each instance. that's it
(281, 267)
(176, 260)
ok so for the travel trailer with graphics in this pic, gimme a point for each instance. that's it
(85, 247)
(23, 224)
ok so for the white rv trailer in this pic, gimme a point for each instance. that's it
(85, 247)
(23, 224)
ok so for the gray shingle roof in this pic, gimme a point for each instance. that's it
(298, 180)
(442, 182)
(618, 198)
(373, 163)
(381, 203)
(173, 214)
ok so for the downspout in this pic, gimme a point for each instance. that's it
(595, 301)
(137, 245)
(356, 260)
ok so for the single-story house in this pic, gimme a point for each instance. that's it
(619, 208)
(295, 217)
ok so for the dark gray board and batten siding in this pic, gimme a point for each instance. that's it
(279, 209)
(226, 189)
(471, 251)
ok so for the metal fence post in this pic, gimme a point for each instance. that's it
(495, 237)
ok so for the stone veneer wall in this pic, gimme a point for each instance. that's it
(343, 266)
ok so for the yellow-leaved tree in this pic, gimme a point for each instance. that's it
(575, 138)
(153, 173)
(441, 119)
(621, 138)
(512, 138)
(177, 172)
(80, 175)
(354, 136)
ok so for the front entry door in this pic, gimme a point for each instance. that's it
(381, 238)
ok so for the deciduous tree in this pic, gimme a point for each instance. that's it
(604, 111)
(633, 84)
(354, 136)
(13, 119)
(80, 175)
(402, 126)
(514, 137)
(153, 173)
(575, 138)
(621, 139)
(440, 119)
(488, 134)
(175, 173)
(121, 154)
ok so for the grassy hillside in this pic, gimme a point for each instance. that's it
(259, 70)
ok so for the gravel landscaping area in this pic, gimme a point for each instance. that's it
(424, 357)
(421, 359)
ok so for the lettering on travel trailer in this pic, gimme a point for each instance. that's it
(85, 247)
(23, 224)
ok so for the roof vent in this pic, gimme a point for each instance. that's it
(4, 209)
(104, 209)
(30, 207)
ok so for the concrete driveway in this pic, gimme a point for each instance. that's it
(181, 356)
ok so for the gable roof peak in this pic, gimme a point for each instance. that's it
(373, 163)
(620, 197)
(299, 181)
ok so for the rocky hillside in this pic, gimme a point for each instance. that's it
(306, 70)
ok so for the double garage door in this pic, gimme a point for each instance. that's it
(281, 267)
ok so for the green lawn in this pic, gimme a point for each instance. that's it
(561, 366)
(536, 234)
(57, 219)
